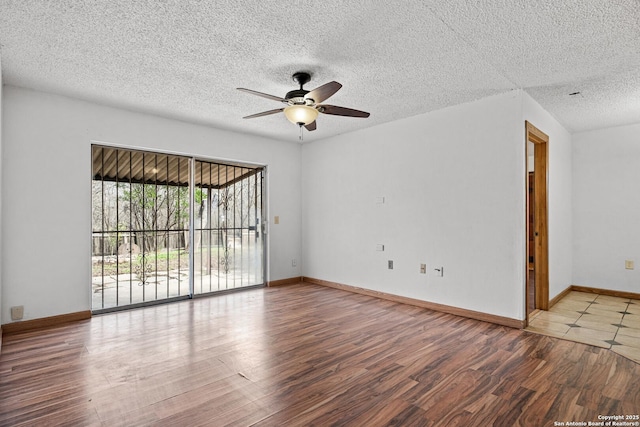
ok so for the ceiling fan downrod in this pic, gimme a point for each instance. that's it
(302, 78)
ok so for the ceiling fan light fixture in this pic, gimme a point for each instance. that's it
(304, 114)
(303, 106)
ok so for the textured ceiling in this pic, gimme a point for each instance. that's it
(184, 59)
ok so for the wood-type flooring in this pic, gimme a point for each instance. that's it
(305, 355)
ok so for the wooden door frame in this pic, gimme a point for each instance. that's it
(540, 142)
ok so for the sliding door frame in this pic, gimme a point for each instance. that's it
(263, 208)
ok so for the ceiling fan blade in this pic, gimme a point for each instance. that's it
(323, 92)
(264, 113)
(311, 126)
(264, 95)
(341, 111)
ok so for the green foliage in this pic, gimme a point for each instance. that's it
(200, 196)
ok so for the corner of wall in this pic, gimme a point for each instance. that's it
(560, 204)
(606, 181)
(413, 187)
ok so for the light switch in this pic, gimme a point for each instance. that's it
(380, 248)
(628, 264)
(276, 219)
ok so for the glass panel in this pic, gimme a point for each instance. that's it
(140, 217)
(228, 244)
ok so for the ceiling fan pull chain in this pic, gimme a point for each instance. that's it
(301, 134)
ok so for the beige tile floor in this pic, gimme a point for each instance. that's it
(600, 320)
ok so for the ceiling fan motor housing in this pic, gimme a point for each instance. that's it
(296, 97)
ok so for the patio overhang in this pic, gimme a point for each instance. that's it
(141, 167)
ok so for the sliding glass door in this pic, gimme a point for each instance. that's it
(142, 229)
(227, 214)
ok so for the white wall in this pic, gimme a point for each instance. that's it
(560, 183)
(46, 173)
(453, 183)
(606, 204)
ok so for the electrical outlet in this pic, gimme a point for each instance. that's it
(380, 248)
(294, 263)
(423, 268)
(276, 219)
(390, 265)
(17, 312)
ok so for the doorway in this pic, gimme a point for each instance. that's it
(167, 227)
(537, 257)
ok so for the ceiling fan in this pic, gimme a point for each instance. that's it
(303, 106)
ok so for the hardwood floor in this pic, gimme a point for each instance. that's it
(304, 355)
